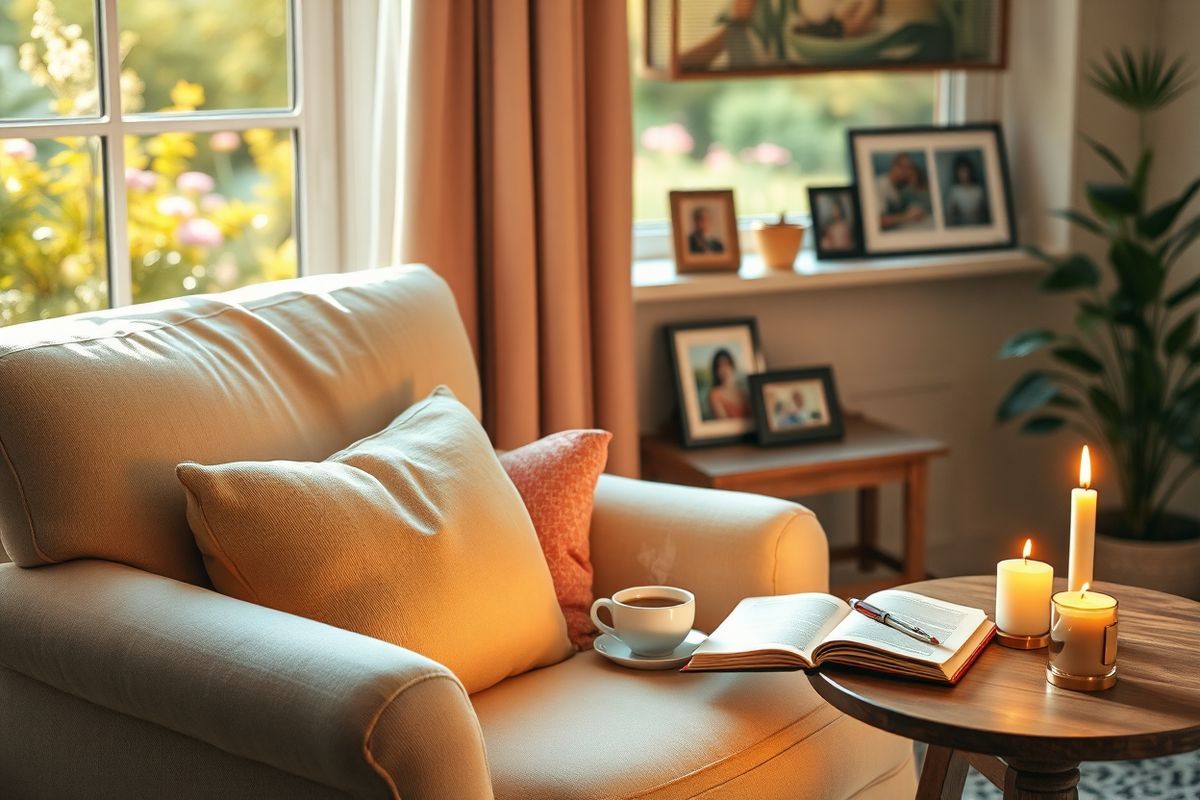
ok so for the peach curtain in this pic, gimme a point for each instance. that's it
(517, 188)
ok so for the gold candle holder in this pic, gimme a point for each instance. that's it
(1019, 642)
(1083, 641)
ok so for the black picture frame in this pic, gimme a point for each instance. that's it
(931, 144)
(769, 433)
(850, 195)
(696, 428)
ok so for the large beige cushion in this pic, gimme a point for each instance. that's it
(414, 535)
(588, 730)
(96, 410)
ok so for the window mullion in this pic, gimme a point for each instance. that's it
(120, 277)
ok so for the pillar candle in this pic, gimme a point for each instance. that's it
(1083, 527)
(1023, 595)
(1081, 643)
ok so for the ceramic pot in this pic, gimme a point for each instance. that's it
(1168, 566)
(779, 243)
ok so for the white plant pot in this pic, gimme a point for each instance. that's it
(1172, 567)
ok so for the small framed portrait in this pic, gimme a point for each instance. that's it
(704, 231)
(796, 405)
(713, 362)
(932, 189)
(836, 229)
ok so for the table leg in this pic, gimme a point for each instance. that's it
(944, 774)
(915, 497)
(1042, 780)
(868, 526)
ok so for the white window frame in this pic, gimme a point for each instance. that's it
(959, 97)
(314, 26)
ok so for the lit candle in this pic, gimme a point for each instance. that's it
(1083, 527)
(1023, 595)
(1083, 633)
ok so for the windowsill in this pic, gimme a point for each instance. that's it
(655, 280)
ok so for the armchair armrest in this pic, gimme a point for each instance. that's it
(352, 713)
(722, 546)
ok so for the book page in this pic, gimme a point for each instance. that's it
(795, 622)
(952, 624)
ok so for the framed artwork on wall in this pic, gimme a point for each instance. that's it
(796, 405)
(713, 362)
(932, 189)
(696, 39)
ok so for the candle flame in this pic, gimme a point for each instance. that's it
(1085, 469)
(1028, 549)
(1083, 591)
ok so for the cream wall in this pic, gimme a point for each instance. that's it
(921, 355)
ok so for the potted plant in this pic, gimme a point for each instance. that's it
(1126, 374)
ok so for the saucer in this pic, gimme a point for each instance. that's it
(618, 652)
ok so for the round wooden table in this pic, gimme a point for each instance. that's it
(1024, 735)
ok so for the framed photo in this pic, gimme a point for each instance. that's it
(796, 405)
(696, 39)
(713, 362)
(837, 232)
(704, 231)
(932, 189)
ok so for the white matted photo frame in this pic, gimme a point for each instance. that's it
(932, 189)
(796, 405)
(704, 231)
(712, 362)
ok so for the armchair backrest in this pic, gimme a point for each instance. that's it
(97, 409)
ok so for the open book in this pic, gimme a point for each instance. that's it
(799, 631)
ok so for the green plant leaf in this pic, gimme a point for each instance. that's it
(1140, 272)
(1043, 424)
(1160, 220)
(1079, 218)
(1026, 342)
(1193, 353)
(1040, 254)
(1032, 391)
(1074, 272)
(1141, 84)
(1064, 401)
(1079, 358)
(1092, 314)
(1184, 293)
(1112, 200)
(1146, 381)
(1141, 173)
(1105, 406)
(1180, 336)
(1106, 153)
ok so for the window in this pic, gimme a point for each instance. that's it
(767, 138)
(155, 148)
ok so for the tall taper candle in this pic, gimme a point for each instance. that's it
(1083, 527)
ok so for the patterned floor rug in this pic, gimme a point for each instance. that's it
(1172, 778)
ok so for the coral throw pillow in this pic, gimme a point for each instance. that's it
(556, 477)
(413, 535)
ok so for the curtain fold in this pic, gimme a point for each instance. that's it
(517, 188)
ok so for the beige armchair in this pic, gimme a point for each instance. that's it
(123, 675)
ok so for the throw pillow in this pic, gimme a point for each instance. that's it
(556, 477)
(413, 535)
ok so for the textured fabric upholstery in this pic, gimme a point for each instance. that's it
(586, 729)
(413, 535)
(722, 546)
(96, 410)
(320, 703)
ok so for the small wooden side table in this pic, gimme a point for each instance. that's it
(1026, 736)
(871, 454)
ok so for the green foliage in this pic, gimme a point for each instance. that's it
(1129, 371)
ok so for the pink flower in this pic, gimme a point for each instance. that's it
(671, 138)
(718, 158)
(20, 149)
(176, 206)
(140, 179)
(224, 142)
(199, 232)
(195, 182)
(767, 153)
(211, 202)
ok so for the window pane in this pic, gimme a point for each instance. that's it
(206, 55)
(48, 59)
(766, 138)
(209, 212)
(52, 255)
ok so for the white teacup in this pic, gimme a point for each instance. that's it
(651, 620)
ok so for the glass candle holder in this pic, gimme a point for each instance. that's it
(1083, 641)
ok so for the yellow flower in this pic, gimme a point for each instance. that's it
(187, 96)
